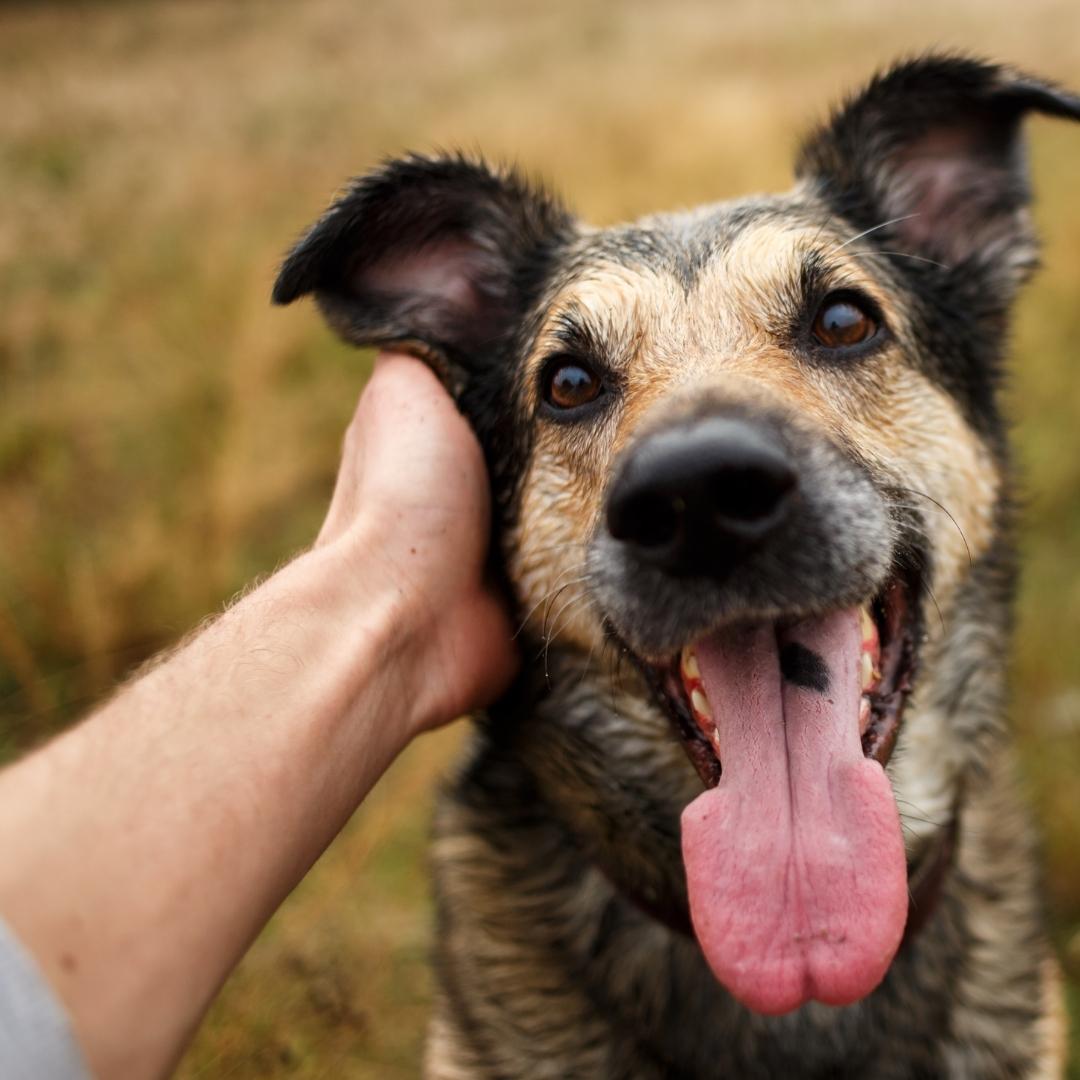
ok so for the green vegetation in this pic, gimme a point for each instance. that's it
(165, 436)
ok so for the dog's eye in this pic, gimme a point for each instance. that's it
(842, 321)
(569, 384)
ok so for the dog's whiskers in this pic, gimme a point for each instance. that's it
(921, 565)
(920, 814)
(548, 596)
(610, 641)
(908, 527)
(945, 510)
(899, 255)
(872, 229)
(547, 637)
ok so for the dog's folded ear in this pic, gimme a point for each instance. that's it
(933, 148)
(439, 255)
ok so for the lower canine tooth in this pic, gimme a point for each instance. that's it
(690, 664)
(869, 675)
(701, 704)
(866, 622)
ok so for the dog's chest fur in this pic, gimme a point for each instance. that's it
(547, 968)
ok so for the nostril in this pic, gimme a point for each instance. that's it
(646, 518)
(750, 496)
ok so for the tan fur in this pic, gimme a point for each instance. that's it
(672, 345)
(1054, 1029)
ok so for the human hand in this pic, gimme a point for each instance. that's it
(255, 740)
(412, 498)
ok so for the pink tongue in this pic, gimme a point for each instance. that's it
(795, 861)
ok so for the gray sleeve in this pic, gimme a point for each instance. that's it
(36, 1040)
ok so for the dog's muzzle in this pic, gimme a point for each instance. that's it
(746, 563)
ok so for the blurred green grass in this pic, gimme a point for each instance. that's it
(165, 436)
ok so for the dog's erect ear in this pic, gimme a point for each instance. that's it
(439, 255)
(936, 143)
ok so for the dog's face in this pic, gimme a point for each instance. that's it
(747, 459)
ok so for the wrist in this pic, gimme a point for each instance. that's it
(378, 628)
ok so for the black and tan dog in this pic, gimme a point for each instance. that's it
(750, 813)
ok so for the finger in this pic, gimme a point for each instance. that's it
(405, 380)
(400, 365)
(400, 392)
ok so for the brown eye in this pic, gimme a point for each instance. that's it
(842, 322)
(569, 385)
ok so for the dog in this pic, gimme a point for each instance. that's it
(749, 810)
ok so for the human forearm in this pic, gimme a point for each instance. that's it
(265, 731)
(145, 849)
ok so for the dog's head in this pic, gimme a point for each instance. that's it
(736, 452)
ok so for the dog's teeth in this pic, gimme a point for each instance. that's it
(869, 675)
(871, 650)
(864, 714)
(714, 738)
(690, 664)
(700, 703)
(869, 629)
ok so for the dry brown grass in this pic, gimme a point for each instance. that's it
(165, 436)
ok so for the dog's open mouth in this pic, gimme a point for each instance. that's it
(888, 639)
(795, 863)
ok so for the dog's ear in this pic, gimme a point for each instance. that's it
(438, 255)
(933, 148)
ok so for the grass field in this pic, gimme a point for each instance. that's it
(165, 435)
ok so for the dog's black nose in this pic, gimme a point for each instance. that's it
(691, 499)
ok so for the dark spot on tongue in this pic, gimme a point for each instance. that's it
(803, 667)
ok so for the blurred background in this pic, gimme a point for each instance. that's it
(165, 435)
